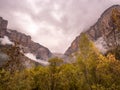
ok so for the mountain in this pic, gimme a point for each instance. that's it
(24, 41)
(12, 59)
(29, 54)
(104, 33)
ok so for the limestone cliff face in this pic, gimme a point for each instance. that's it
(104, 29)
(24, 41)
(3, 26)
(12, 59)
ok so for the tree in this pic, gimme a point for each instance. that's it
(21, 81)
(4, 79)
(54, 70)
(87, 61)
(69, 77)
(108, 72)
(41, 78)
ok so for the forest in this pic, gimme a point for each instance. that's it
(90, 71)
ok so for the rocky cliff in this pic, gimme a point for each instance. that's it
(12, 59)
(24, 41)
(104, 32)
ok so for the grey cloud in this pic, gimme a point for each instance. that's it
(14, 5)
(77, 16)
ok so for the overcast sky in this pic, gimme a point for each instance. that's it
(53, 23)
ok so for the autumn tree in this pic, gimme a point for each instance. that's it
(54, 71)
(87, 61)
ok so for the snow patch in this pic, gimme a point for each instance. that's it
(101, 45)
(33, 57)
(5, 41)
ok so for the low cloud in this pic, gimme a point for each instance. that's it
(53, 23)
(5, 41)
(33, 57)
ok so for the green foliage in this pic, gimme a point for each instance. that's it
(21, 81)
(108, 72)
(41, 78)
(116, 52)
(4, 78)
(87, 62)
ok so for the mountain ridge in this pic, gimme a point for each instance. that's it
(103, 28)
(24, 41)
